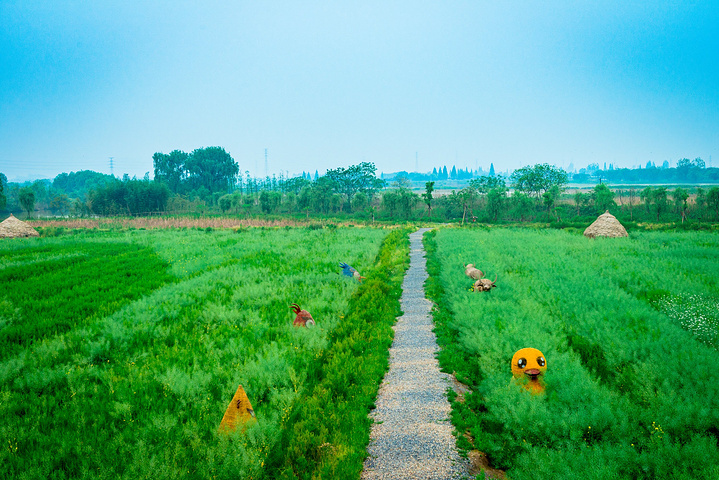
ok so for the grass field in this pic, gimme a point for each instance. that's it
(628, 327)
(120, 351)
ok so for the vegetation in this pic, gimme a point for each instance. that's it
(132, 381)
(629, 380)
(328, 433)
(208, 181)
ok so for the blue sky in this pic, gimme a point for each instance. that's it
(327, 84)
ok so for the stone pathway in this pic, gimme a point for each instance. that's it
(412, 435)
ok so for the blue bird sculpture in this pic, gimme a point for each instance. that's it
(351, 272)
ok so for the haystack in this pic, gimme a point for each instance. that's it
(606, 225)
(11, 227)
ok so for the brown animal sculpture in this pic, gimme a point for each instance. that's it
(485, 284)
(473, 272)
(303, 318)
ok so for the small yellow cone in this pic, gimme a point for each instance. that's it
(239, 412)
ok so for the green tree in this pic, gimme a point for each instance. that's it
(321, 194)
(212, 168)
(680, 197)
(170, 169)
(496, 199)
(225, 202)
(660, 201)
(3, 198)
(60, 204)
(713, 200)
(647, 196)
(406, 200)
(427, 196)
(390, 202)
(522, 205)
(26, 197)
(603, 198)
(356, 178)
(534, 181)
(701, 202)
(580, 200)
(360, 202)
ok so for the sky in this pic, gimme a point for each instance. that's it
(103, 85)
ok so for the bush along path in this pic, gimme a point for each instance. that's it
(412, 434)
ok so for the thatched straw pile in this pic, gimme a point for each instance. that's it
(11, 227)
(606, 225)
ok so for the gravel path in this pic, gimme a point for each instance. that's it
(412, 435)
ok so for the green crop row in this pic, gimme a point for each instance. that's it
(629, 390)
(140, 393)
(54, 287)
(327, 434)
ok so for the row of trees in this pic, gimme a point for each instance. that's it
(208, 180)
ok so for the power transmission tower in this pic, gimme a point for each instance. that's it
(111, 165)
(267, 174)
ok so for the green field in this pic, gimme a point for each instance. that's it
(628, 327)
(120, 351)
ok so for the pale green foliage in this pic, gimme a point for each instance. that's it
(627, 388)
(140, 393)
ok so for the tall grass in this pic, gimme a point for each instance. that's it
(139, 393)
(627, 387)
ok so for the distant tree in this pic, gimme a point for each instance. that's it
(534, 181)
(406, 200)
(713, 200)
(632, 196)
(496, 199)
(659, 199)
(212, 168)
(427, 196)
(77, 184)
(296, 184)
(580, 199)
(684, 163)
(170, 168)
(128, 196)
(390, 202)
(491, 169)
(646, 196)
(603, 198)
(225, 202)
(26, 197)
(355, 178)
(701, 202)
(321, 194)
(60, 204)
(486, 183)
(680, 197)
(360, 202)
(550, 197)
(3, 198)
(522, 205)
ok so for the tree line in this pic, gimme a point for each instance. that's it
(208, 180)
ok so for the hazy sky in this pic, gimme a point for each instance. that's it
(328, 84)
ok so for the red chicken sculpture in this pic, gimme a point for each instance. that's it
(303, 318)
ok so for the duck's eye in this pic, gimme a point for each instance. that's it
(522, 362)
(541, 361)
